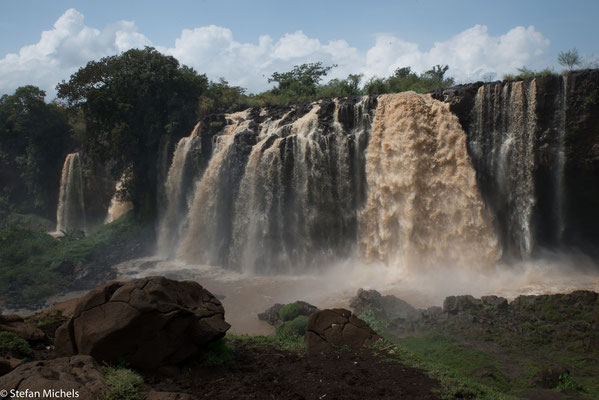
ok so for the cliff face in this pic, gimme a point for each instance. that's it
(535, 148)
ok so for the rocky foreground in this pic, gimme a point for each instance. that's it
(156, 338)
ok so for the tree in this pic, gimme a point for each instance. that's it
(34, 139)
(220, 97)
(129, 102)
(341, 88)
(302, 80)
(569, 59)
(436, 76)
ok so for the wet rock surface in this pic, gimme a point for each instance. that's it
(147, 322)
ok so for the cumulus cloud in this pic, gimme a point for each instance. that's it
(215, 51)
(63, 49)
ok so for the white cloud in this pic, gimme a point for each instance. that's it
(214, 50)
(63, 49)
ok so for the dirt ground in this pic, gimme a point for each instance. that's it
(270, 373)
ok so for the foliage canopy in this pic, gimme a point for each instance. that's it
(129, 102)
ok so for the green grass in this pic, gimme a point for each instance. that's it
(123, 384)
(15, 345)
(525, 73)
(456, 361)
(443, 361)
(460, 358)
(30, 260)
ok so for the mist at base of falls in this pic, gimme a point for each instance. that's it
(245, 295)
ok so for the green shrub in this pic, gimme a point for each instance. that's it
(123, 384)
(11, 343)
(289, 311)
(567, 382)
(293, 329)
(377, 324)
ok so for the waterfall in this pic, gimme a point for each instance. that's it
(118, 205)
(561, 161)
(293, 191)
(423, 206)
(210, 215)
(71, 208)
(281, 191)
(502, 146)
(177, 192)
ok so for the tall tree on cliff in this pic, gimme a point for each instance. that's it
(129, 101)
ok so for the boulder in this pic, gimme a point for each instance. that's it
(78, 374)
(273, 317)
(328, 330)
(148, 322)
(8, 363)
(387, 307)
(457, 304)
(17, 325)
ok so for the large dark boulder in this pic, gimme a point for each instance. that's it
(78, 374)
(328, 330)
(148, 322)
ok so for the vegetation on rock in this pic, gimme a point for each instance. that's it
(12, 344)
(123, 384)
(34, 265)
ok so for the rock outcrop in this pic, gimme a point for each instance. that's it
(61, 377)
(148, 322)
(388, 307)
(17, 325)
(336, 328)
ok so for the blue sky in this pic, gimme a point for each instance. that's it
(245, 41)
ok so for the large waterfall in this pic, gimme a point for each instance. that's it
(423, 206)
(297, 190)
(402, 179)
(71, 208)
